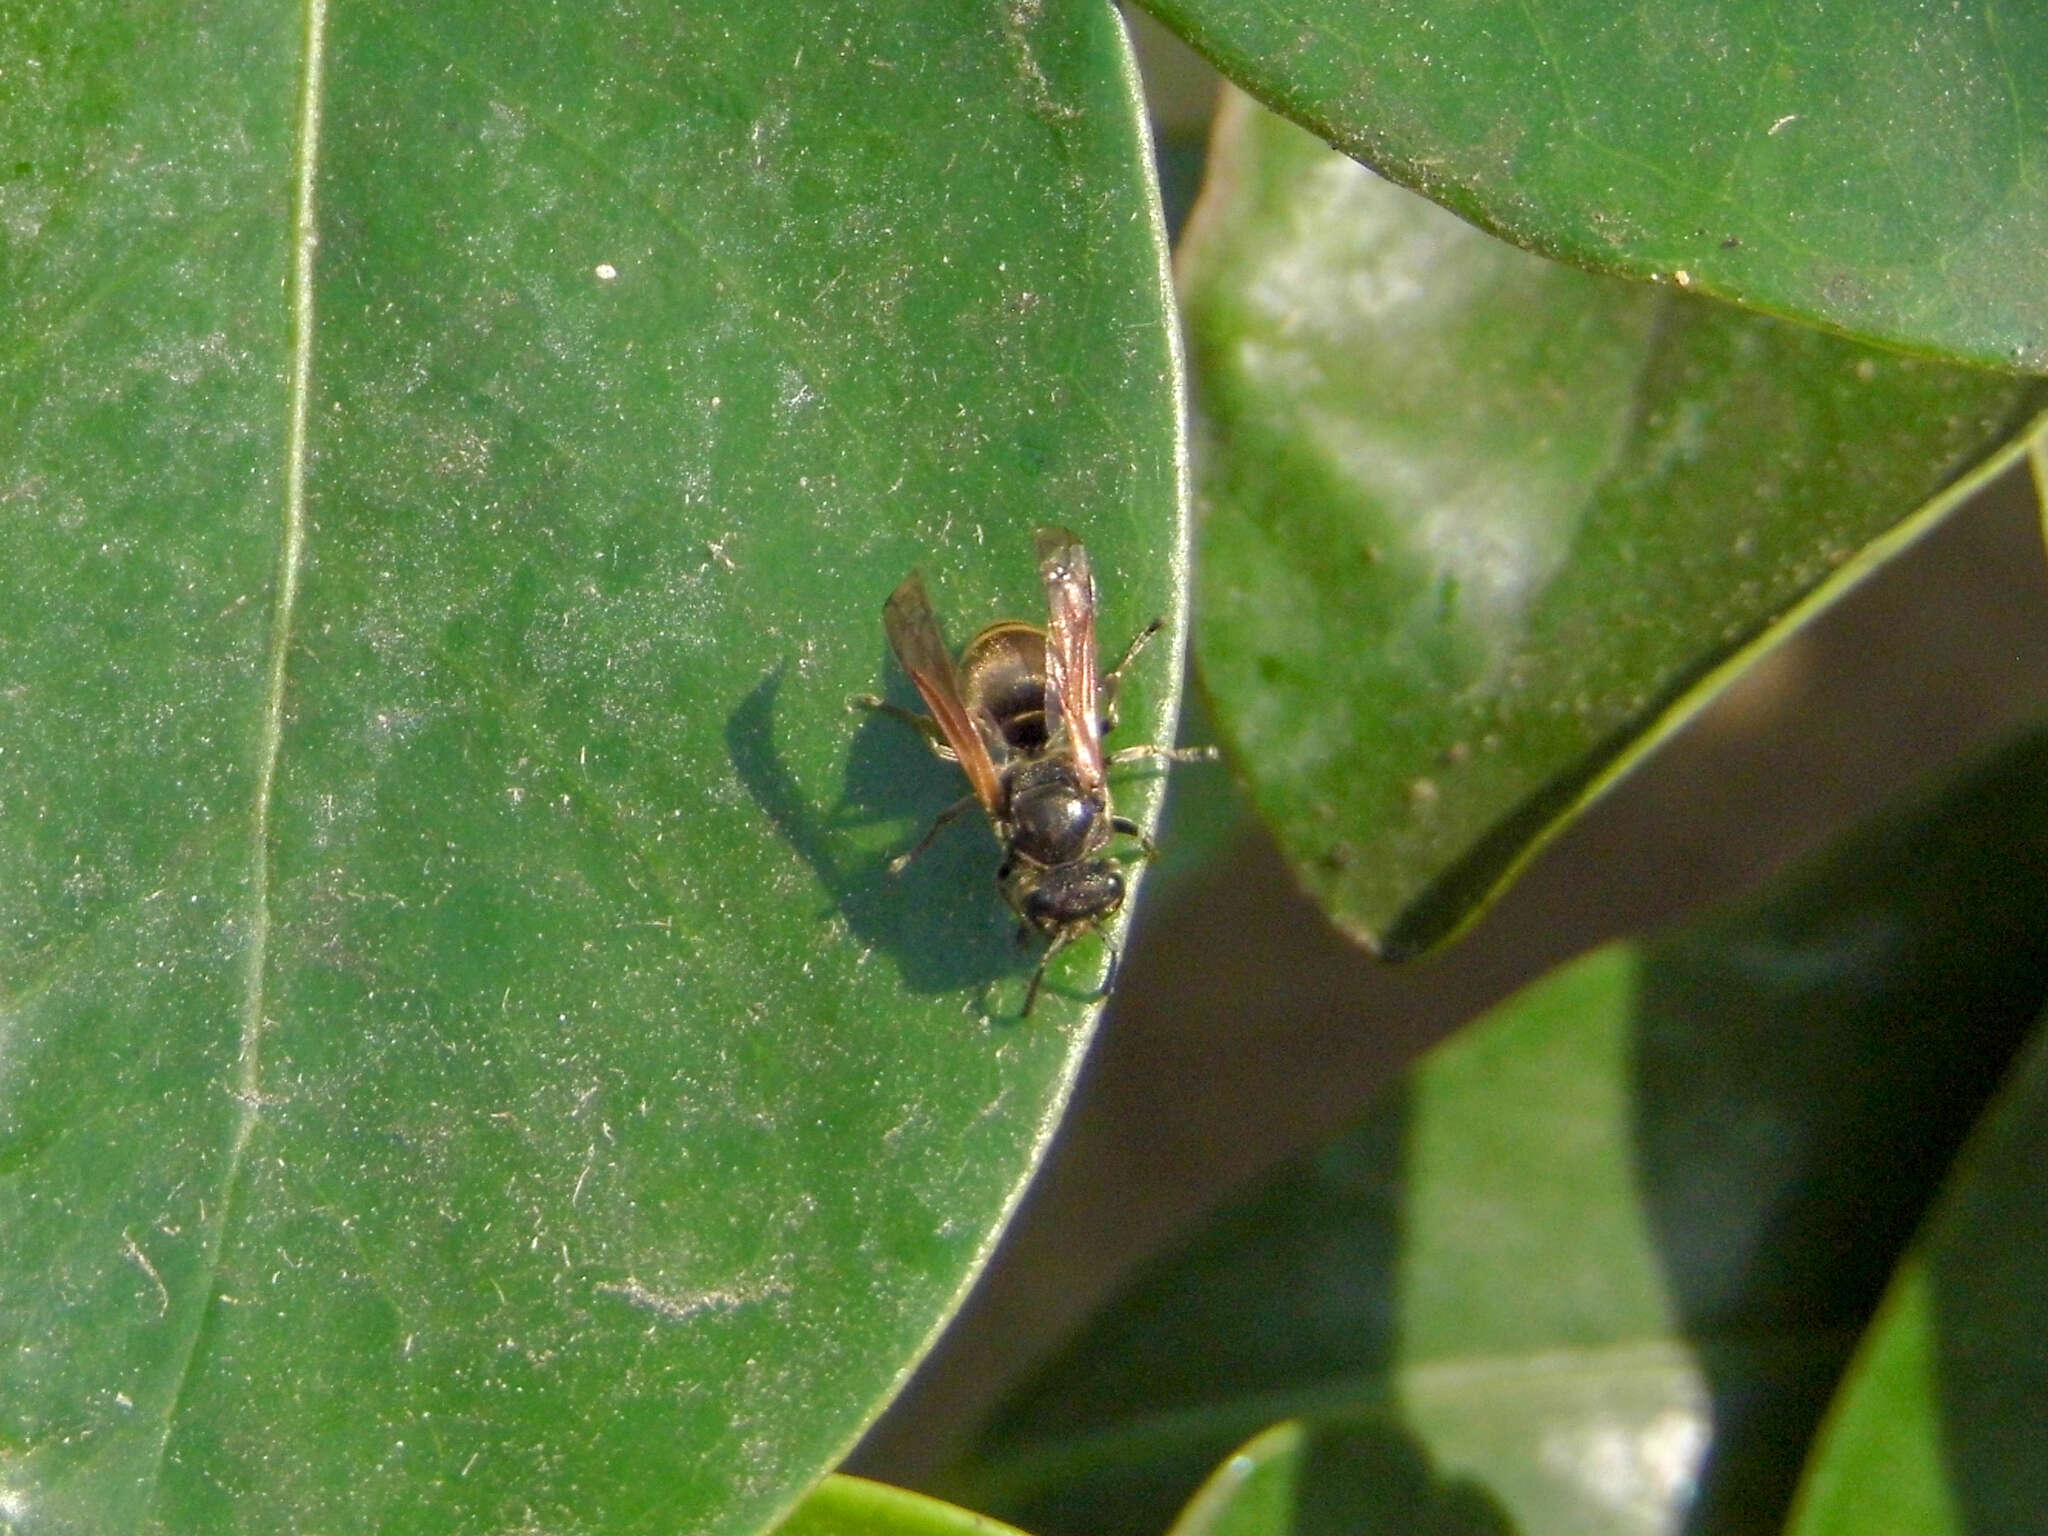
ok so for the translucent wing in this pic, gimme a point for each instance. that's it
(1070, 680)
(913, 631)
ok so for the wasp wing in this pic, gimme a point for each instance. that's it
(913, 631)
(1070, 678)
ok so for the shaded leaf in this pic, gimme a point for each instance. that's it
(1598, 1262)
(462, 1063)
(1936, 1428)
(1480, 529)
(1879, 168)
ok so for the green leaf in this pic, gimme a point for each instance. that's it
(1254, 1491)
(853, 1506)
(1595, 1267)
(463, 1065)
(1330, 1479)
(1936, 1427)
(1874, 166)
(1480, 529)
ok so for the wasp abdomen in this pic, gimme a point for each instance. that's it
(1003, 672)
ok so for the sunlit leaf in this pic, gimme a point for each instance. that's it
(463, 1065)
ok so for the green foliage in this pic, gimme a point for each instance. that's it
(1479, 529)
(1934, 1428)
(1874, 166)
(1596, 1265)
(463, 1064)
(1329, 1478)
(852, 1506)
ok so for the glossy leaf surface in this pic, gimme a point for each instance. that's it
(1935, 1429)
(1595, 1267)
(463, 1065)
(1876, 166)
(1479, 528)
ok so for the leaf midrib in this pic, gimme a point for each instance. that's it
(247, 1088)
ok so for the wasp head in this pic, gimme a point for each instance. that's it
(1065, 898)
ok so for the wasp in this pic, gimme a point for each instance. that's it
(1023, 712)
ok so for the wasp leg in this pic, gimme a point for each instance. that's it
(1146, 847)
(1105, 690)
(1138, 643)
(946, 818)
(924, 725)
(1164, 755)
(1059, 942)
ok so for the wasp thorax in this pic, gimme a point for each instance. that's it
(1053, 822)
(1072, 894)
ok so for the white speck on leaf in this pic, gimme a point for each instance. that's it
(681, 1306)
